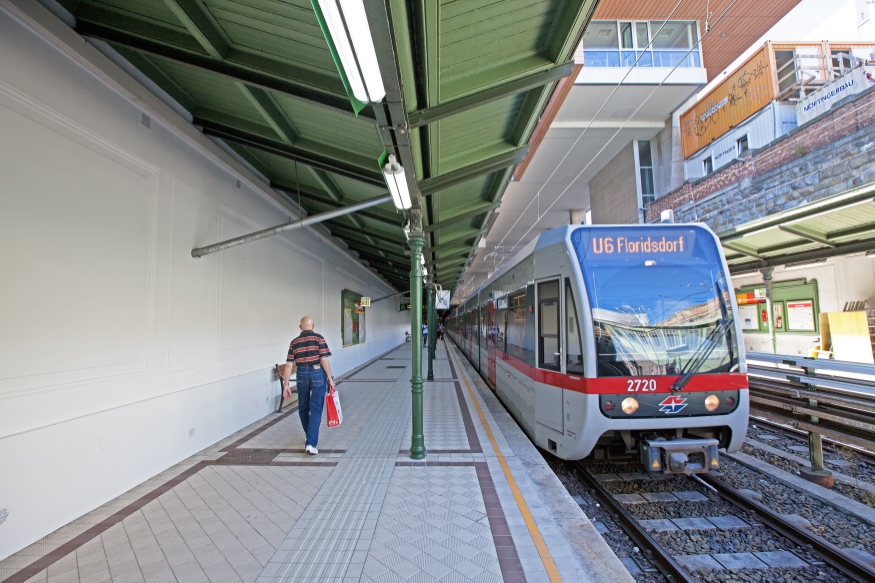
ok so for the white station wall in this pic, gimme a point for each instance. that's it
(120, 355)
(839, 280)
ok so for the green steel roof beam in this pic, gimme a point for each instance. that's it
(308, 157)
(360, 247)
(251, 69)
(363, 249)
(438, 112)
(739, 249)
(806, 234)
(199, 22)
(462, 217)
(333, 225)
(457, 241)
(435, 184)
(276, 118)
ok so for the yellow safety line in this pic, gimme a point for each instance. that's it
(543, 552)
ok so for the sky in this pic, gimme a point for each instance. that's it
(810, 20)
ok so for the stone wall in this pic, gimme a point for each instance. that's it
(613, 192)
(826, 156)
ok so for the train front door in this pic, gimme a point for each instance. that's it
(492, 351)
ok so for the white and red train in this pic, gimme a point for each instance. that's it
(607, 338)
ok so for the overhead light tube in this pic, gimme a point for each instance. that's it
(348, 24)
(397, 182)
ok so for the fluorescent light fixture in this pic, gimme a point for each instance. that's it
(348, 26)
(804, 264)
(745, 274)
(870, 254)
(397, 181)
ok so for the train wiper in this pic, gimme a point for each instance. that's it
(702, 353)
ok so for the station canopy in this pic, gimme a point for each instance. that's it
(841, 224)
(466, 82)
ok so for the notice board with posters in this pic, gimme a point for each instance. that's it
(750, 88)
(352, 318)
(794, 307)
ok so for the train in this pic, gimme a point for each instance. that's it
(615, 342)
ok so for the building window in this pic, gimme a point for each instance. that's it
(742, 145)
(643, 44)
(645, 172)
(708, 166)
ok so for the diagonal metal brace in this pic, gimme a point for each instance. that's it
(291, 225)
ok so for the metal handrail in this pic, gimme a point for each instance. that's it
(821, 396)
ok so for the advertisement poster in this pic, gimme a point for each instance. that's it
(748, 315)
(800, 315)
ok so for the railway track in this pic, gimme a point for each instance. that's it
(801, 545)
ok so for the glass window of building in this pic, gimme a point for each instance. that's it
(672, 40)
(742, 145)
(708, 166)
(628, 44)
(645, 170)
(601, 45)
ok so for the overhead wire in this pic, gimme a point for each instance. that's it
(622, 126)
(589, 125)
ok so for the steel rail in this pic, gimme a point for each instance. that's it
(833, 555)
(661, 558)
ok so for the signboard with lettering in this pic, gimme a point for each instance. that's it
(403, 307)
(366, 302)
(642, 244)
(739, 96)
(823, 99)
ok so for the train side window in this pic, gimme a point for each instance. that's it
(573, 345)
(549, 348)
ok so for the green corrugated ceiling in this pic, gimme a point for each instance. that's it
(466, 83)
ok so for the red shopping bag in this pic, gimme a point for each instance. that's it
(332, 404)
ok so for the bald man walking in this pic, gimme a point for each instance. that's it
(309, 353)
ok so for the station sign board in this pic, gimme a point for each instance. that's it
(403, 307)
(442, 300)
(366, 302)
(750, 88)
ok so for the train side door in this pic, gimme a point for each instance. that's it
(491, 334)
(549, 314)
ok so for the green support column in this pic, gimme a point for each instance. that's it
(432, 330)
(416, 242)
(767, 279)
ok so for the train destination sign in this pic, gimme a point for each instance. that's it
(675, 244)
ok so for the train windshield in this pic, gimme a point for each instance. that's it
(659, 299)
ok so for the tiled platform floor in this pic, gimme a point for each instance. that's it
(255, 508)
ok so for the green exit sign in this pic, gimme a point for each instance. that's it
(403, 307)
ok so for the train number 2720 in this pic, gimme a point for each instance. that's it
(641, 385)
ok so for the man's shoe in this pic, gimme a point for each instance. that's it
(311, 450)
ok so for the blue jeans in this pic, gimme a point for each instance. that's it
(311, 399)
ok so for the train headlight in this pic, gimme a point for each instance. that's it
(712, 402)
(630, 405)
(609, 406)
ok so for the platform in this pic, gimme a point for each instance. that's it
(482, 507)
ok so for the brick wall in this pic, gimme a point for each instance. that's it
(824, 157)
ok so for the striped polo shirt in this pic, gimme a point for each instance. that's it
(308, 348)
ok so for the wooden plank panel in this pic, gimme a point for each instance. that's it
(738, 97)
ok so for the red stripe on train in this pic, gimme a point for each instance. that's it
(614, 385)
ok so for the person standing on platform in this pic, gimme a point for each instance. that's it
(424, 334)
(440, 331)
(308, 353)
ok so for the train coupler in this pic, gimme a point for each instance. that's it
(680, 456)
